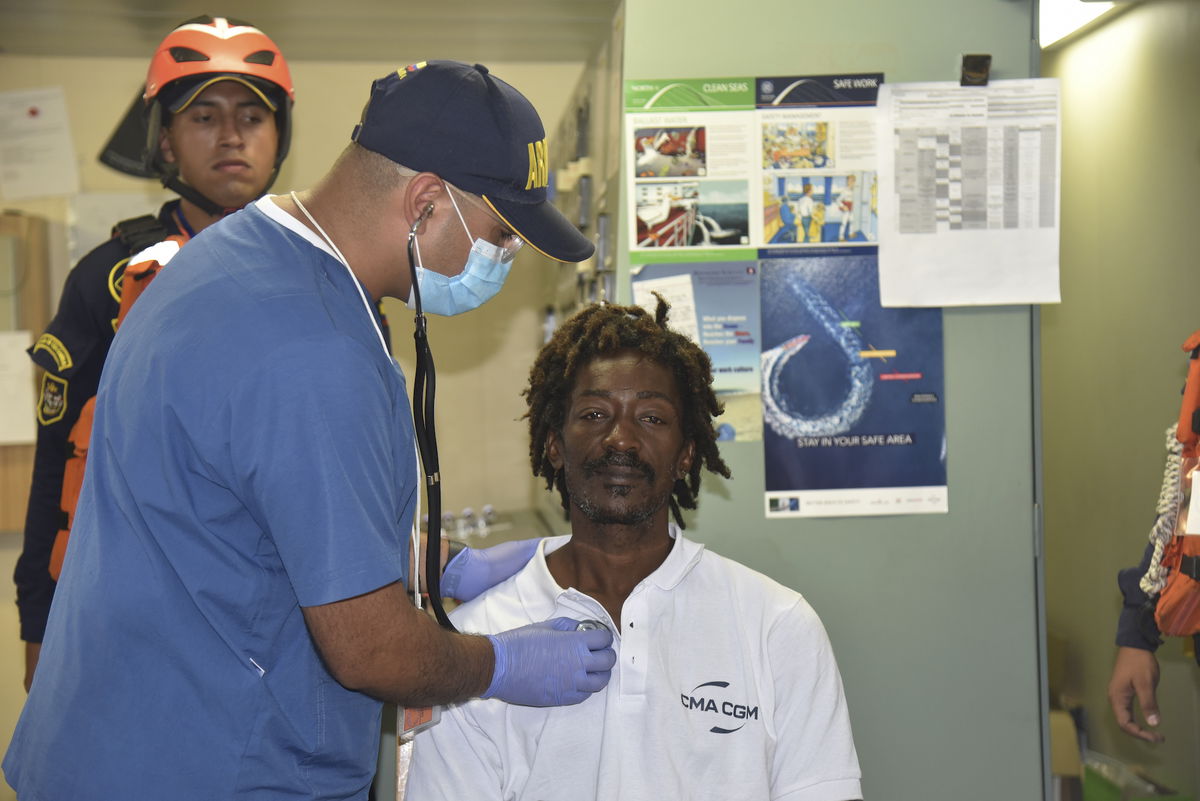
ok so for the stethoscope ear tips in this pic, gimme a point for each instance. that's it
(424, 215)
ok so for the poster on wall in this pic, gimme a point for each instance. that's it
(690, 145)
(817, 160)
(731, 163)
(716, 304)
(852, 393)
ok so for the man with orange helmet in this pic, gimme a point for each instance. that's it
(213, 124)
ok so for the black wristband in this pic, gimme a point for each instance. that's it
(453, 549)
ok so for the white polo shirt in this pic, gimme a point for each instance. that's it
(725, 688)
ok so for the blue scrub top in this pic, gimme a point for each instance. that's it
(252, 454)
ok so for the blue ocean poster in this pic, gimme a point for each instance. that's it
(716, 304)
(853, 394)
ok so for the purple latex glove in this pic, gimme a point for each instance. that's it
(550, 663)
(473, 570)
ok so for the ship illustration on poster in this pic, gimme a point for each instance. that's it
(666, 214)
(826, 422)
(852, 393)
(690, 213)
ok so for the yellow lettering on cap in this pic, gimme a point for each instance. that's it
(539, 170)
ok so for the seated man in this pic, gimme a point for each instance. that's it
(725, 684)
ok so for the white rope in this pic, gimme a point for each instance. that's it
(1169, 498)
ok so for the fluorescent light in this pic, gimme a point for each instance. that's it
(1061, 18)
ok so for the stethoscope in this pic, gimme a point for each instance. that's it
(424, 387)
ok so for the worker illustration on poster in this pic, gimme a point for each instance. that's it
(818, 160)
(820, 209)
(852, 393)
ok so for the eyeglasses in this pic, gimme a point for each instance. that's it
(509, 242)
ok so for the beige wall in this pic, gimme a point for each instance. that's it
(482, 358)
(1112, 365)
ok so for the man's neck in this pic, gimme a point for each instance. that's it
(345, 225)
(607, 561)
(196, 217)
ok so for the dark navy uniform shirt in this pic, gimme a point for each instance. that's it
(1136, 627)
(72, 351)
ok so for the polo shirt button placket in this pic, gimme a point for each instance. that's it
(633, 646)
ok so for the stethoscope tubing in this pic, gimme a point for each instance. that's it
(424, 392)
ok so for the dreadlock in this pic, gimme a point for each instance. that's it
(603, 330)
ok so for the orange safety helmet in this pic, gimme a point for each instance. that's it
(191, 58)
(209, 47)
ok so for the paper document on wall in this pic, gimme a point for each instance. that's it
(969, 193)
(16, 390)
(37, 158)
(677, 291)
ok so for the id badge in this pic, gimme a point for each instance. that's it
(411, 720)
(408, 723)
(1189, 505)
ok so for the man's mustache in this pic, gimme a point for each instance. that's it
(618, 459)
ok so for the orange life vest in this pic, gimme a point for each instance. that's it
(1177, 611)
(139, 273)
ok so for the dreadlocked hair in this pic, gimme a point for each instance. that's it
(603, 329)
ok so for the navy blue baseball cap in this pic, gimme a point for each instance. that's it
(478, 133)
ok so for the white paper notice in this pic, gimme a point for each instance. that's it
(677, 291)
(969, 193)
(16, 390)
(36, 155)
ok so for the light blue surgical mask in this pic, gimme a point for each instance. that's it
(480, 279)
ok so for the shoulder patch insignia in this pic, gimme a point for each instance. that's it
(115, 276)
(57, 350)
(53, 404)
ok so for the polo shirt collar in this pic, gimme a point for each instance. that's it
(539, 593)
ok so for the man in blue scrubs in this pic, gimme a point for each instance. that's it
(231, 613)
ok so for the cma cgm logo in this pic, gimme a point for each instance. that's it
(710, 698)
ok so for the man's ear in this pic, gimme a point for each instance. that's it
(164, 146)
(686, 456)
(554, 450)
(422, 196)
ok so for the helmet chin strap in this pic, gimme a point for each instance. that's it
(193, 195)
